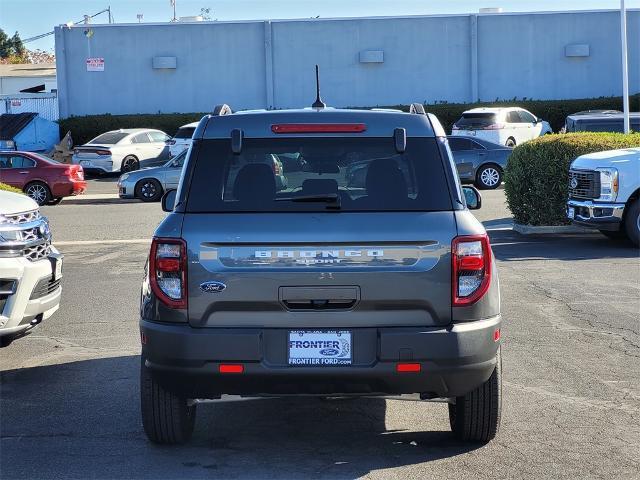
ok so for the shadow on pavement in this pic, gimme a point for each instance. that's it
(511, 246)
(81, 420)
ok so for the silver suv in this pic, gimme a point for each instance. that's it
(319, 287)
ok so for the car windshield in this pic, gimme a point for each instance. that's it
(177, 161)
(319, 174)
(109, 138)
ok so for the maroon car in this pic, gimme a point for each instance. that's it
(43, 179)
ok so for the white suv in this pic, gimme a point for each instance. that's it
(30, 267)
(508, 126)
(182, 139)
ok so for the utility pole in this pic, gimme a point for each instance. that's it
(109, 10)
(173, 4)
(625, 67)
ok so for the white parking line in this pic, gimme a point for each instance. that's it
(140, 241)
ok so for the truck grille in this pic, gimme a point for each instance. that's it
(23, 217)
(38, 252)
(584, 184)
(44, 287)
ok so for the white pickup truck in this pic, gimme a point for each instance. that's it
(604, 192)
(30, 267)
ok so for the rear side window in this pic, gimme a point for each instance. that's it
(141, 138)
(318, 174)
(513, 117)
(477, 120)
(158, 136)
(458, 144)
(185, 132)
(526, 117)
(109, 138)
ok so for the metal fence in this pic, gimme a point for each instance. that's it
(44, 104)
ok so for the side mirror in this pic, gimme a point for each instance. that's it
(472, 197)
(169, 200)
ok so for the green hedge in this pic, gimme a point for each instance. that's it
(537, 175)
(9, 188)
(84, 129)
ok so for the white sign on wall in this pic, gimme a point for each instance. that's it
(95, 64)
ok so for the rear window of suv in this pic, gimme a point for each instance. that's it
(318, 174)
(186, 132)
(476, 120)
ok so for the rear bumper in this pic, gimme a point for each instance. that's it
(602, 216)
(453, 361)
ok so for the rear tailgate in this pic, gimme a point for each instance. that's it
(277, 273)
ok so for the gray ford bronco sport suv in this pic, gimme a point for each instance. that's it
(256, 288)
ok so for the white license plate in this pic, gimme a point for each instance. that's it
(318, 348)
(571, 213)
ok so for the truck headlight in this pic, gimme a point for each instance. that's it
(608, 184)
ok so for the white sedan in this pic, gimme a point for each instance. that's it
(123, 151)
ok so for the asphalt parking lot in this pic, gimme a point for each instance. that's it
(571, 350)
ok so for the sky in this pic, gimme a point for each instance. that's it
(34, 17)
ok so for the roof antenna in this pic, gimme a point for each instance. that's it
(318, 103)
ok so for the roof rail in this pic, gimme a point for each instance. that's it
(417, 108)
(220, 110)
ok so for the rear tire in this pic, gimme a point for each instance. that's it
(129, 164)
(489, 177)
(475, 417)
(511, 142)
(632, 222)
(39, 192)
(148, 190)
(166, 417)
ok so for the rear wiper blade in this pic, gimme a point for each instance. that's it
(332, 200)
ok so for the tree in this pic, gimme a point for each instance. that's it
(17, 45)
(5, 45)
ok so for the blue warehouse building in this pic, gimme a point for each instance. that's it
(189, 67)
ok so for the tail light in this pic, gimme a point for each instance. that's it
(74, 172)
(471, 268)
(168, 271)
(103, 152)
(495, 126)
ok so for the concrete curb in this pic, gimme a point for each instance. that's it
(551, 229)
(97, 199)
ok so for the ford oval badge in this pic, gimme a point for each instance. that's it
(212, 287)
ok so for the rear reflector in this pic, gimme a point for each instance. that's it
(319, 128)
(408, 367)
(226, 368)
(496, 335)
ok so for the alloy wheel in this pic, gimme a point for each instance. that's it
(37, 193)
(148, 190)
(490, 177)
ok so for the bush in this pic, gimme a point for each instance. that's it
(9, 188)
(537, 175)
(85, 128)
